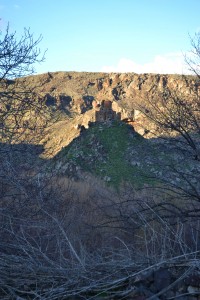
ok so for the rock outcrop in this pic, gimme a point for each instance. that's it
(83, 98)
(76, 91)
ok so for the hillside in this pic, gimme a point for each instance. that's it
(66, 100)
(90, 122)
(120, 157)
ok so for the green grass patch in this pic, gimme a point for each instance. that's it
(102, 150)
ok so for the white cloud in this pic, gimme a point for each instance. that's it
(171, 63)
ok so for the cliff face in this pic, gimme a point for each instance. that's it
(77, 94)
(75, 91)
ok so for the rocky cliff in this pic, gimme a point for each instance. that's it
(75, 91)
(76, 95)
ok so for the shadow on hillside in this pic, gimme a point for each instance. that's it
(18, 154)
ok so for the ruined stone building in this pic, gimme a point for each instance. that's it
(104, 112)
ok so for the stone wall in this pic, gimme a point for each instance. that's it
(105, 112)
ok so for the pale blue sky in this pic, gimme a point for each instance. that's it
(107, 35)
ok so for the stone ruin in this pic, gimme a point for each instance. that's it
(104, 112)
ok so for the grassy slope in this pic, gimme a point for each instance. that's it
(103, 151)
(118, 155)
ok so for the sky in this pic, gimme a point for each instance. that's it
(142, 36)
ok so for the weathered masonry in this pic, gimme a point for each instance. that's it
(104, 111)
